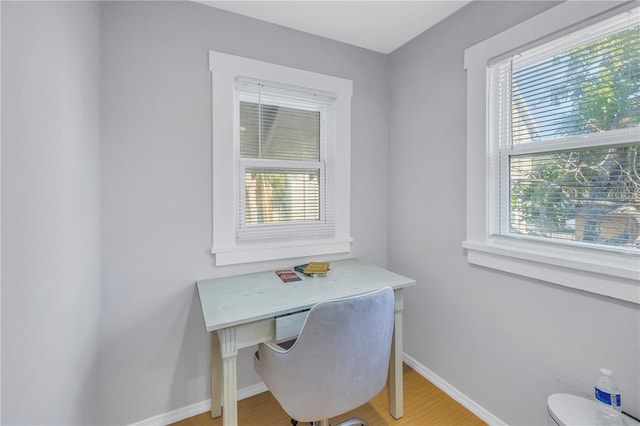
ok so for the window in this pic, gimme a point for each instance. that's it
(282, 142)
(554, 149)
(564, 131)
(281, 154)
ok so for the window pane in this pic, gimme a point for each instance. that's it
(590, 195)
(592, 88)
(277, 195)
(279, 133)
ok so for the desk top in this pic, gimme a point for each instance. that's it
(240, 299)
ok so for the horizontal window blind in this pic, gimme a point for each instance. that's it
(282, 166)
(585, 88)
(564, 168)
(275, 132)
(588, 195)
(281, 195)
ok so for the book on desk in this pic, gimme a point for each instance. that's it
(313, 269)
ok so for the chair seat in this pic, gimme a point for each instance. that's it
(339, 361)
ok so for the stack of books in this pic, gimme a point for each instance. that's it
(314, 269)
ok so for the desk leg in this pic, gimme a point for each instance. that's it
(216, 379)
(395, 362)
(229, 352)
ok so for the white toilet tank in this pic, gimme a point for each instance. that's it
(572, 410)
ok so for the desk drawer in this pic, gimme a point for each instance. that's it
(289, 326)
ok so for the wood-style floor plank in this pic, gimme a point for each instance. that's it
(424, 405)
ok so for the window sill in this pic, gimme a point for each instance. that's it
(611, 274)
(281, 250)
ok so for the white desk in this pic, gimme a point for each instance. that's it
(240, 311)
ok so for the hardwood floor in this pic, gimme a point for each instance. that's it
(424, 405)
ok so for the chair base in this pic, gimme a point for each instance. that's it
(355, 421)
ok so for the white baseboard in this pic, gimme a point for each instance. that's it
(176, 415)
(197, 408)
(454, 393)
(251, 390)
(201, 407)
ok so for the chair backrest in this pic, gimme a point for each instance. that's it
(340, 360)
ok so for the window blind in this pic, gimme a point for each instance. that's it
(587, 195)
(282, 159)
(581, 85)
(565, 136)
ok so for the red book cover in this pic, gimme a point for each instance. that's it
(287, 275)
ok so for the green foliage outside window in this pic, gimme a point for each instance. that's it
(592, 195)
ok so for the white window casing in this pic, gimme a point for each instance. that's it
(239, 239)
(600, 270)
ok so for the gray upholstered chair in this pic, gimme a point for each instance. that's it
(339, 361)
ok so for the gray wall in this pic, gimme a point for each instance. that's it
(106, 131)
(50, 212)
(504, 341)
(156, 187)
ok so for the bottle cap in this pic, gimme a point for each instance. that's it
(606, 372)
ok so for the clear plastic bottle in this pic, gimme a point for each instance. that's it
(607, 395)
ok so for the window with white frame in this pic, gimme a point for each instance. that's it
(281, 156)
(553, 150)
(282, 143)
(564, 138)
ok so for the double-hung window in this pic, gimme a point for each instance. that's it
(564, 137)
(561, 142)
(282, 144)
(281, 161)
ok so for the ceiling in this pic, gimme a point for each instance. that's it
(382, 26)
